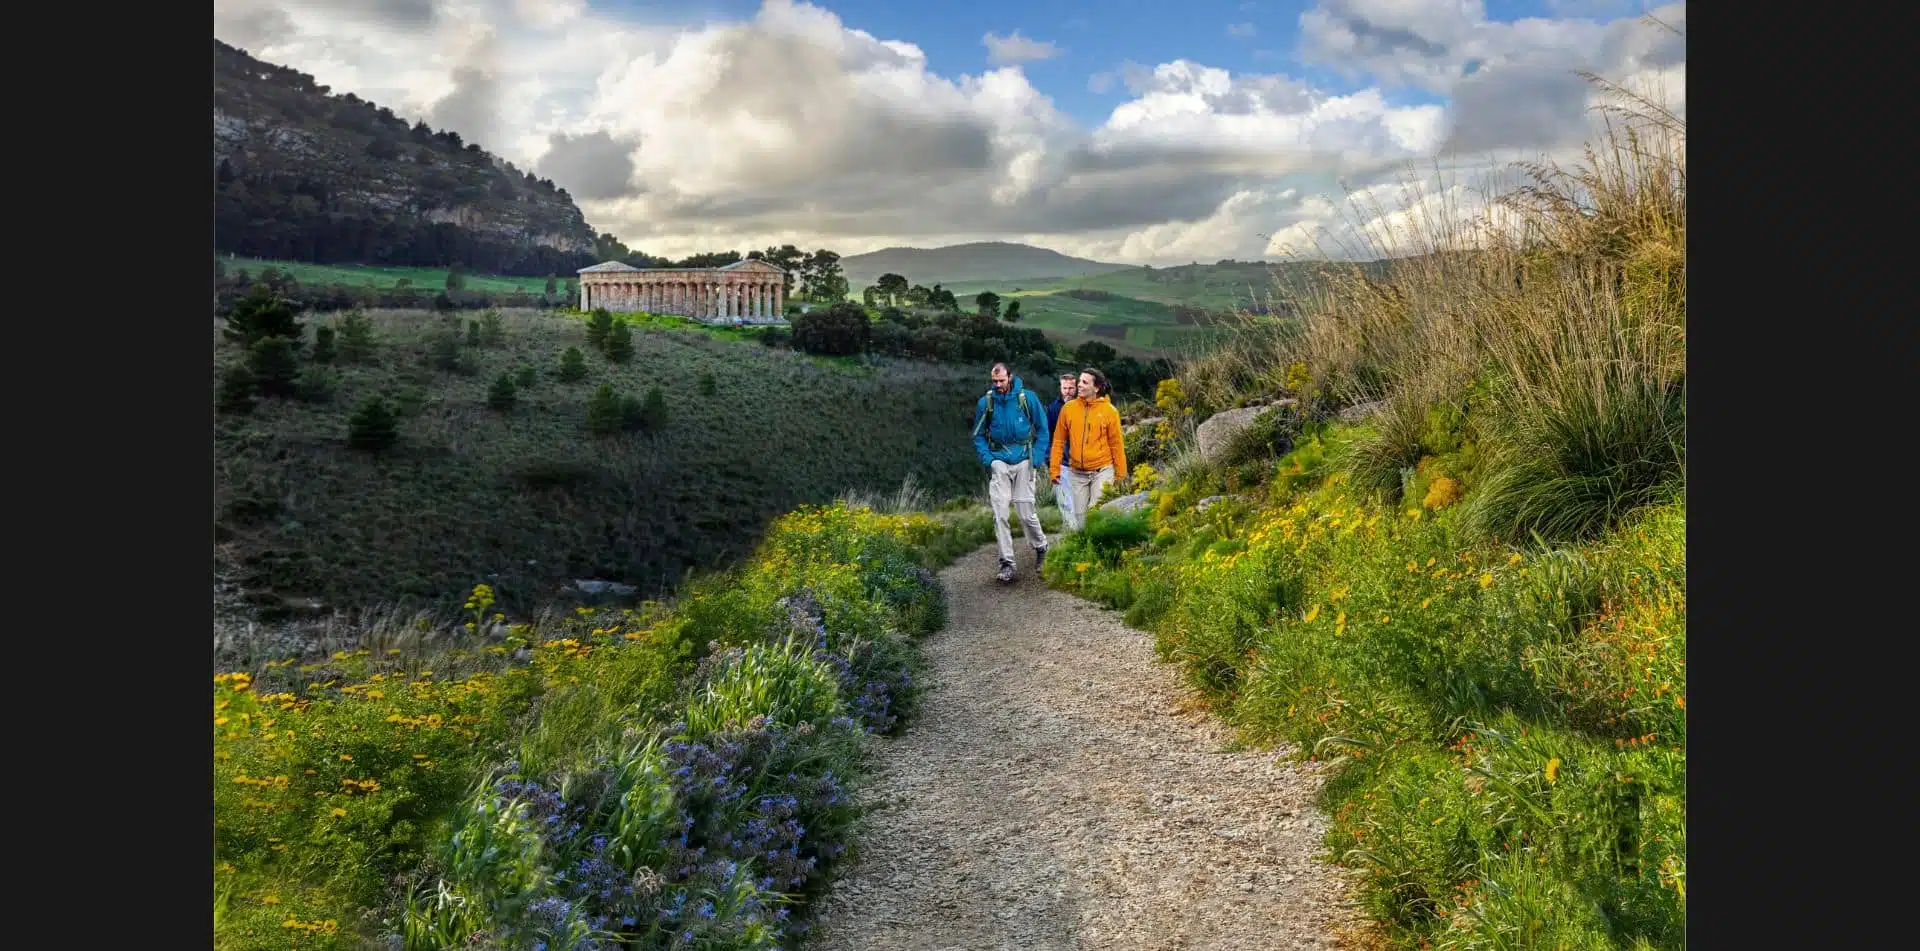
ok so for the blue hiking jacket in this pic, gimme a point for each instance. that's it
(1006, 437)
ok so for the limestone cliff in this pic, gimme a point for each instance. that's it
(302, 174)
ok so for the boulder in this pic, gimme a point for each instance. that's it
(1121, 505)
(614, 588)
(1207, 503)
(1144, 424)
(1220, 428)
(1359, 411)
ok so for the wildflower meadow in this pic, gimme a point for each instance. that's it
(681, 775)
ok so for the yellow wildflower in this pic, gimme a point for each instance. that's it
(1486, 580)
(1553, 770)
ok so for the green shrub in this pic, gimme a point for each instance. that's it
(473, 333)
(356, 337)
(236, 393)
(317, 384)
(606, 414)
(373, 428)
(493, 331)
(261, 315)
(707, 386)
(274, 365)
(599, 327)
(323, 345)
(526, 377)
(619, 342)
(573, 366)
(501, 395)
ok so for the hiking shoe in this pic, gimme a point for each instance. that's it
(1039, 557)
(1006, 571)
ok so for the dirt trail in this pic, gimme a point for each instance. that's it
(1055, 793)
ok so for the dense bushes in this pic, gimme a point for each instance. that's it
(675, 774)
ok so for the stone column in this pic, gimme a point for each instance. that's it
(766, 299)
(780, 300)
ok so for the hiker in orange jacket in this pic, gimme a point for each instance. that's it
(1089, 436)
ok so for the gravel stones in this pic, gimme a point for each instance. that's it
(1059, 792)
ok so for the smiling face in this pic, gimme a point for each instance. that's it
(1087, 387)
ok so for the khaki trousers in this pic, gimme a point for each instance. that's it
(1013, 485)
(1085, 488)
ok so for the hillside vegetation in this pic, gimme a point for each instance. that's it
(498, 472)
(1473, 602)
(302, 174)
(684, 774)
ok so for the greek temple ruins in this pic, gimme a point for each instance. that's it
(744, 292)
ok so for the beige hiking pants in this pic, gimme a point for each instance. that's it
(1086, 488)
(1013, 484)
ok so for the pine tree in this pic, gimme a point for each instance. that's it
(653, 412)
(323, 351)
(262, 314)
(605, 412)
(356, 337)
(274, 366)
(473, 333)
(493, 331)
(551, 282)
(599, 325)
(500, 395)
(707, 385)
(573, 365)
(373, 428)
(237, 387)
(620, 342)
(526, 377)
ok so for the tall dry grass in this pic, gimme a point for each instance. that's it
(1552, 317)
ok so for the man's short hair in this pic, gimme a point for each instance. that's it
(1075, 377)
(998, 366)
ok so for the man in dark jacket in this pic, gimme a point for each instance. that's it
(1012, 438)
(1069, 390)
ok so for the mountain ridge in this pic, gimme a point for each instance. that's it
(303, 174)
(971, 261)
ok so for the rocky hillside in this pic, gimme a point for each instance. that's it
(301, 174)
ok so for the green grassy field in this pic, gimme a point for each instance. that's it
(358, 275)
(527, 499)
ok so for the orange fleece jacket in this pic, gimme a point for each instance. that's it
(1094, 430)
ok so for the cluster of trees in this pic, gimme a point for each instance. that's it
(230, 287)
(949, 335)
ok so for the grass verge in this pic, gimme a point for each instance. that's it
(683, 774)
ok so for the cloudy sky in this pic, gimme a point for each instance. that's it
(1135, 131)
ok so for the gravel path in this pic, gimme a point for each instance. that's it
(1056, 793)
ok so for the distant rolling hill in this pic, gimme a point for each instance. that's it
(980, 261)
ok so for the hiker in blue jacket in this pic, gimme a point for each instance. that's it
(1011, 436)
